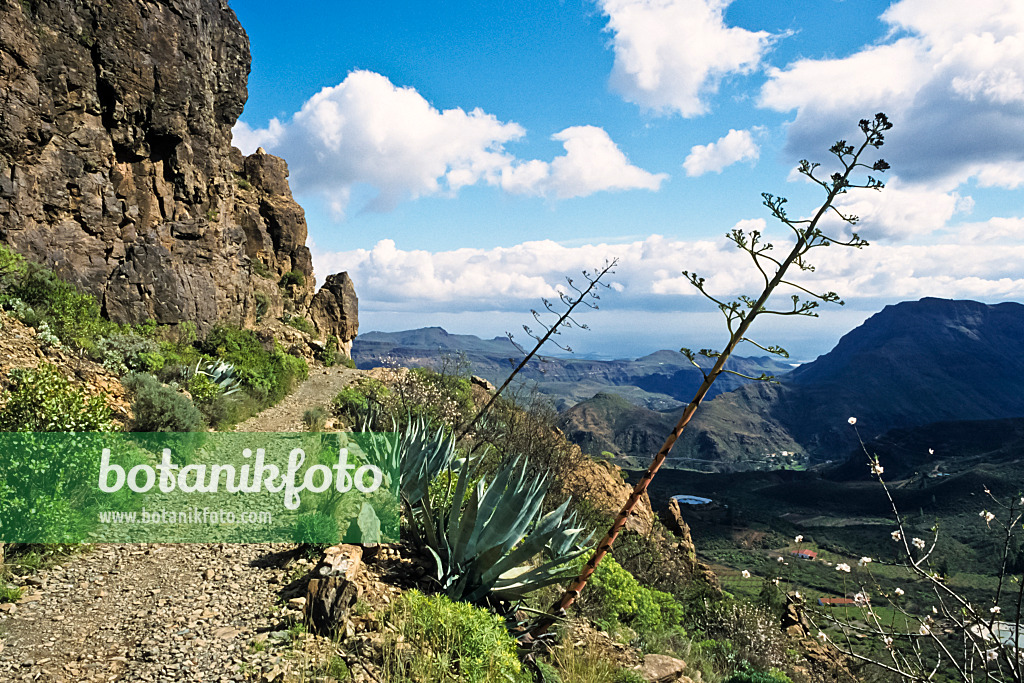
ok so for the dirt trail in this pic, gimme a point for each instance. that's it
(164, 612)
(318, 390)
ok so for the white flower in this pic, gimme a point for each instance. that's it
(995, 610)
(899, 591)
(822, 636)
(780, 558)
(775, 581)
(798, 596)
(987, 515)
(799, 539)
(852, 420)
(887, 640)
(860, 599)
(876, 469)
(843, 567)
(746, 574)
(918, 543)
(992, 655)
(931, 451)
(897, 535)
(863, 561)
(925, 629)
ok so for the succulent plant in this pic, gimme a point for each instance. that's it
(487, 547)
(220, 373)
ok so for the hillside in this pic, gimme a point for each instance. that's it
(910, 365)
(661, 380)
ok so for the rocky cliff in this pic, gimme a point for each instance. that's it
(117, 170)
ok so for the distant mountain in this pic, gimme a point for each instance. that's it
(661, 380)
(911, 364)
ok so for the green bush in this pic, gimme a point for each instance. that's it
(159, 408)
(262, 303)
(315, 528)
(315, 419)
(747, 674)
(293, 277)
(123, 353)
(37, 295)
(330, 356)
(617, 598)
(302, 325)
(43, 400)
(435, 639)
(268, 375)
(351, 403)
(202, 388)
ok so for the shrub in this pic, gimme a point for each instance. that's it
(268, 375)
(262, 303)
(316, 528)
(618, 599)
(748, 674)
(73, 316)
(351, 403)
(315, 419)
(43, 400)
(330, 356)
(159, 408)
(302, 325)
(436, 639)
(293, 277)
(123, 353)
(202, 388)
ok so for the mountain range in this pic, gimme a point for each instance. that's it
(912, 364)
(931, 362)
(660, 381)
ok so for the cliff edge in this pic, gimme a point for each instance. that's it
(117, 170)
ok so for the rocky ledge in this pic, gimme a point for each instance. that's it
(117, 170)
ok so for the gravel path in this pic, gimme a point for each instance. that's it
(318, 390)
(163, 612)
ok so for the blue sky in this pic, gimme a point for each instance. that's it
(460, 159)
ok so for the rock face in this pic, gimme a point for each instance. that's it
(335, 309)
(116, 165)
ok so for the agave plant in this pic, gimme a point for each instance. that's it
(486, 547)
(220, 373)
(420, 454)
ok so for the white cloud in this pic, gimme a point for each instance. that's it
(735, 146)
(649, 276)
(671, 54)
(902, 211)
(951, 80)
(592, 163)
(367, 131)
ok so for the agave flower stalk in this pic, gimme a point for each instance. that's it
(741, 312)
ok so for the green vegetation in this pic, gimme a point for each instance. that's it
(302, 325)
(292, 277)
(159, 408)
(315, 419)
(617, 599)
(35, 295)
(262, 303)
(432, 638)
(43, 400)
(267, 375)
(330, 355)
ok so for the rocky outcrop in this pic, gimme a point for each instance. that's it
(116, 165)
(335, 309)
